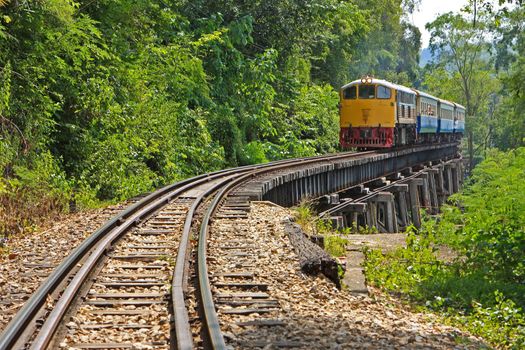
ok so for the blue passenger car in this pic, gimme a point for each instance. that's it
(459, 118)
(427, 113)
(446, 117)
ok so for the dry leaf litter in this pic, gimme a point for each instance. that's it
(27, 260)
(311, 312)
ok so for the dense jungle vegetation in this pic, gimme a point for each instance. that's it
(103, 100)
(481, 288)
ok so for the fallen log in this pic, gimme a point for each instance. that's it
(312, 258)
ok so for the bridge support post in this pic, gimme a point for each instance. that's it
(461, 172)
(455, 170)
(440, 184)
(371, 215)
(448, 179)
(400, 205)
(383, 203)
(432, 174)
(425, 192)
(414, 201)
(355, 211)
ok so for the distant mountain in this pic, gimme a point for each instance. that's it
(425, 57)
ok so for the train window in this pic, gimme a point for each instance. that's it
(407, 98)
(367, 91)
(350, 93)
(383, 92)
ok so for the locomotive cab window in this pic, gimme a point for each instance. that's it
(367, 91)
(350, 93)
(383, 92)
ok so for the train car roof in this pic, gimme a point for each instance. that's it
(381, 82)
(458, 105)
(424, 94)
(445, 102)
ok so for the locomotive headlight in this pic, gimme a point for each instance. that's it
(368, 80)
(363, 81)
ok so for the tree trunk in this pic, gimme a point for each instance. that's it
(470, 151)
(312, 258)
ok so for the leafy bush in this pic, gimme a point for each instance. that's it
(40, 190)
(482, 289)
(503, 322)
(491, 230)
(305, 216)
(335, 245)
(253, 153)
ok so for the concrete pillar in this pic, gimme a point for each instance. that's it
(449, 181)
(354, 217)
(432, 173)
(371, 215)
(440, 184)
(402, 210)
(425, 192)
(355, 210)
(385, 200)
(414, 201)
(461, 166)
(337, 222)
(400, 205)
(454, 169)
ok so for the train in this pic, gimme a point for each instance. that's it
(375, 113)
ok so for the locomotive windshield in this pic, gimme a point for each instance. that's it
(350, 93)
(367, 91)
(383, 92)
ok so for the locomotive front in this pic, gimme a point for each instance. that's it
(367, 114)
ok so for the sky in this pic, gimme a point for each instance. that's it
(429, 10)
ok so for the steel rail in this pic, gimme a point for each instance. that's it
(33, 305)
(22, 320)
(54, 318)
(183, 333)
(52, 321)
(211, 319)
(26, 314)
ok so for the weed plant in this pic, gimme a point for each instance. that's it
(483, 288)
(305, 216)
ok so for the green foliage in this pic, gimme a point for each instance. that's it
(405, 268)
(479, 64)
(494, 224)
(39, 189)
(503, 322)
(509, 131)
(391, 48)
(253, 153)
(483, 288)
(316, 117)
(335, 245)
(305, 217)
(125, 96)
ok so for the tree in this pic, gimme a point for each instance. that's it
(463, 51)
(510, 48)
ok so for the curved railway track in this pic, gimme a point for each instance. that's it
(133, 273)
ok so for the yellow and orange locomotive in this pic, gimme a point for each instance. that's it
(375, 113)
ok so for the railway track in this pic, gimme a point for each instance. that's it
(129, 281)
(143, 281)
